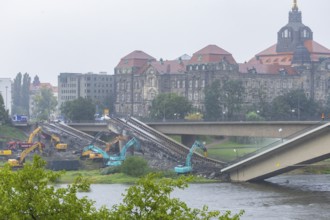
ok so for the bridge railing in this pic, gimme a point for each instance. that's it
(276, 143)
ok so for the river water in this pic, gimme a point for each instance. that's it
(281, 198)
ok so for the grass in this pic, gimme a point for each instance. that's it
(8, 133)
(94, 176)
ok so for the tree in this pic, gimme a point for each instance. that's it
(134, 166)
(223, 99)
(169, 106)
(150, 199)
(213, 108)
(79, 109)
(21, 91)
(4, 114)
(29, 194)
(45, 104)
(232, 97)
(294, 105)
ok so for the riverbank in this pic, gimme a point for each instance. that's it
(95, 177)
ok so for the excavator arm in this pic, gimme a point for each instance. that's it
(33, 134)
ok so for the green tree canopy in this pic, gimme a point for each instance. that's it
(79, 109)
(223, 99)
(29, 194)
(21, 92)
(4, 114)
(294, 105)
(150, 199)
(169, 106)
(45, 104)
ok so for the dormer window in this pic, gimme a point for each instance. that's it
(305, 33)
(286, 33)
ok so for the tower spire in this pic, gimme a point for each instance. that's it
(295, 5)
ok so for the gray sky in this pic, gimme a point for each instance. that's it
(46, 37)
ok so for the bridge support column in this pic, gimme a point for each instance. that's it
(188, 140)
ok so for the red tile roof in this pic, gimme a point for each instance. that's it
(211, 54)
(170, 66)
(265, 68)
(270, 56)
(137, 58)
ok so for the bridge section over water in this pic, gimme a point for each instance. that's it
(309, 147)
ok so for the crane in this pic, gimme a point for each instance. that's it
(116, 160)
(187, 168)
(16, 163)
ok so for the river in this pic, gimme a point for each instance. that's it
(286, 197)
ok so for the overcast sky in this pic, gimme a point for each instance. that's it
(47, 37)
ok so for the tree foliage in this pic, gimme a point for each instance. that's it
(223, 100)
(213, 107)
(21, 91)
(169, 106)
(29, 194)
(150, 199)
(4, 114)
(79, 109)
(294, 105)
(134, 166)
(45, 104)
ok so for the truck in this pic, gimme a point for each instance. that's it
(116, 160)
(187, 167)
(17, 145)
(17, 163)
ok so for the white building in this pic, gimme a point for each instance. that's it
(5, 91)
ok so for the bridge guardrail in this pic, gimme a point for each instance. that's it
(276, 143)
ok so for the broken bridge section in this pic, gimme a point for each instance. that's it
(163, 147)
(307, 148)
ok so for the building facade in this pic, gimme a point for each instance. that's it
(95, 86)
(296, 61)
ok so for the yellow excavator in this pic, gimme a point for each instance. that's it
(17, 163)
(57, 143)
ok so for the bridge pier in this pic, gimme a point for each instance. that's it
(188, 140)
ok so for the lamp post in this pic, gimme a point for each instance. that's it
(223, 115)
(293, 111)
(164, 119)
(280, 131)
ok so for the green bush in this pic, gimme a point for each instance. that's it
(135, 166)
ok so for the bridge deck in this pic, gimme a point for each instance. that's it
(306, 148)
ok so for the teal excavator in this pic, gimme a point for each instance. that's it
(187, 168)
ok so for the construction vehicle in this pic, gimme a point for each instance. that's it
(57, 143)
(187, 168)
(16, 145)
(94, 152)
(17, 163)
(5, 152)
(116, 160)
(91, 151)
(114, 141)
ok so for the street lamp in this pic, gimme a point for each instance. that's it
(236, 151)
(280, 131)
(223, 115)
(293, 111)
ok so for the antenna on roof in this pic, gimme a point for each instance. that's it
(295, 5)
